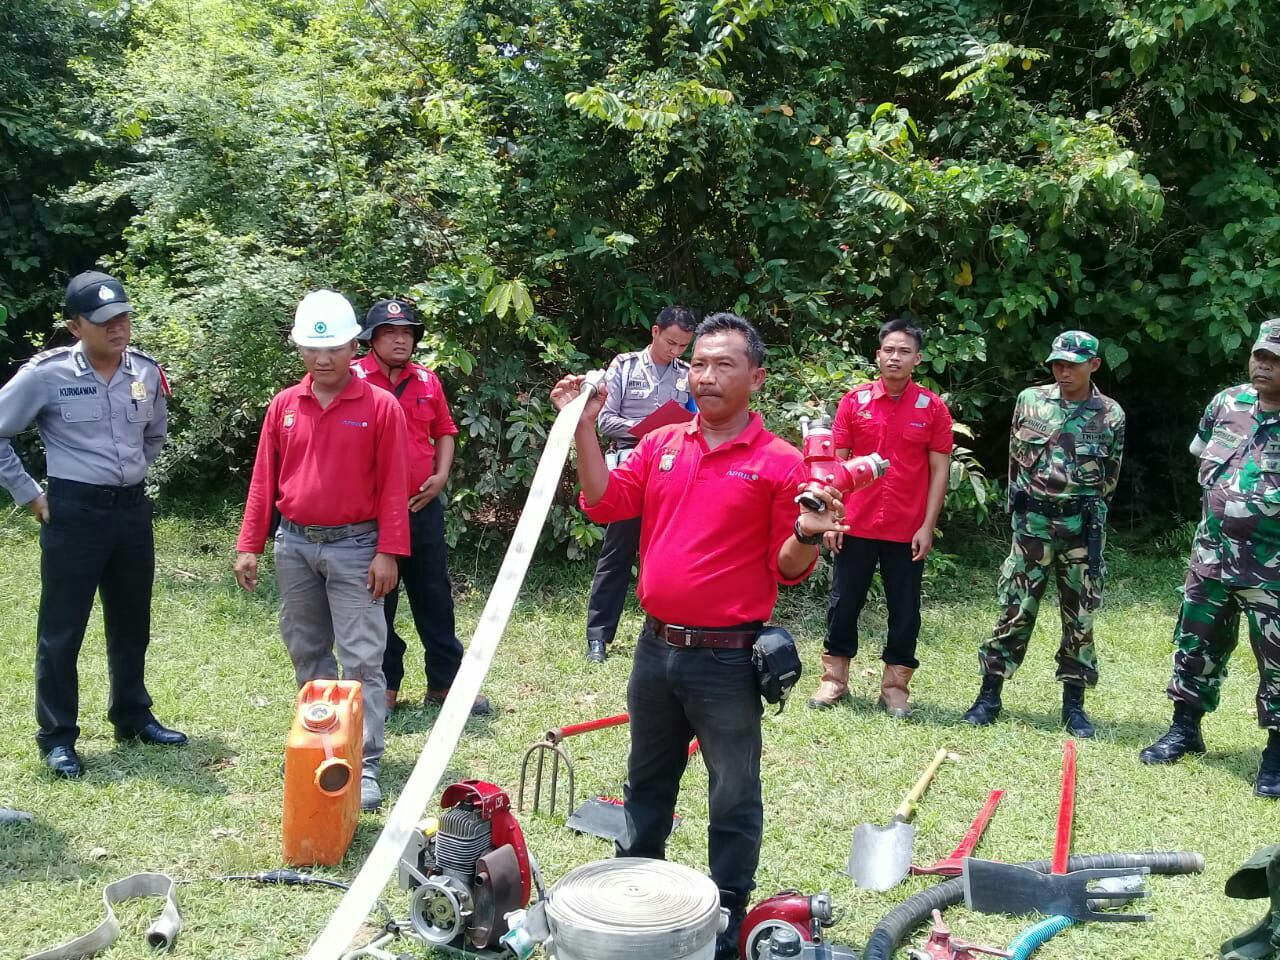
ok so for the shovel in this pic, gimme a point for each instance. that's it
(880, 857)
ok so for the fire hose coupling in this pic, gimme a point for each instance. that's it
(825, 469)
(591, 383)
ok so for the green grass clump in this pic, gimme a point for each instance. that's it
(218, 670)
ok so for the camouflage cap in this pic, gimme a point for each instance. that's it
(1269, 337)
(1073, 346)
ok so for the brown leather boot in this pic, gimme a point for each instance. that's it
(392, 697)
(894, 689)
(480, 707)
(835, 683)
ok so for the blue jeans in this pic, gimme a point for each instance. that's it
(673, 696)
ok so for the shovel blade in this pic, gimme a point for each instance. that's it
(880, 857)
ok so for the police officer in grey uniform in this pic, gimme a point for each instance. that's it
(100, 408)
(638, 383)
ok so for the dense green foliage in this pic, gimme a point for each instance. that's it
(543, 176)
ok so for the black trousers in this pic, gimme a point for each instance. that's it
(674, 695)
(855, 565)
(425, 575)
(88, 549)
(613, 579)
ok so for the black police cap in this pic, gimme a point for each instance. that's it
(97, 297)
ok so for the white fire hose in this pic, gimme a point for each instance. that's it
(356, 904)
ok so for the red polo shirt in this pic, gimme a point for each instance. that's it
(341, 464)
(906, 430)
(426, 412)
(712, 521)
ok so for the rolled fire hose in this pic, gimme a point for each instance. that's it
(160, 935)
(902, 919)
(633, 909)
(356, 904)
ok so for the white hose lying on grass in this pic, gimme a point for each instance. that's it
(336, 937)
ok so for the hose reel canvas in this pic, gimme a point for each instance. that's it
(633, 909)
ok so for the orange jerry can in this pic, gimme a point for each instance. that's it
(322, 773)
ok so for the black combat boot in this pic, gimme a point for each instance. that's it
(1268, 784)
(1073, 715)
(987, 707)
(1182, 738)
(727, 942)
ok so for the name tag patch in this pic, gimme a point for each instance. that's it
(77, 391)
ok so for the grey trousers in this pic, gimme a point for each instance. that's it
(324, 603)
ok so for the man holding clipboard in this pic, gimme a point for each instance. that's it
(647, 389)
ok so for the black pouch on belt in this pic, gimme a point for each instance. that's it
(777, 664)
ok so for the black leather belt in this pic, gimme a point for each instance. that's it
(313, 533)
(93, 495)
(720, 638)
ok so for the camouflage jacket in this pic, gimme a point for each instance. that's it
(1238, 444)
(1062, 450)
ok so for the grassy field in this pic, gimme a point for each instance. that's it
(218, 670)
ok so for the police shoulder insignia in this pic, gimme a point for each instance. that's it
(46, 355)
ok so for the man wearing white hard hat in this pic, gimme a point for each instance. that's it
(331, 462)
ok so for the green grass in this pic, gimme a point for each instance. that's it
(217, 669)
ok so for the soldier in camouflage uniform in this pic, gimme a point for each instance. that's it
(1065, 447)
(1235, 563)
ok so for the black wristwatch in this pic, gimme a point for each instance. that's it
(809, 540)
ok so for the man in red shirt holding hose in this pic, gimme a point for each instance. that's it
(331, 462)
(720, 530)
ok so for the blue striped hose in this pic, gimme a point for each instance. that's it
(1034, 937)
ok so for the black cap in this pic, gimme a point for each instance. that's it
(96, 297)
(398, 313)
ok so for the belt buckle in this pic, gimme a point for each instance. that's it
(312, 533)
(686, 635)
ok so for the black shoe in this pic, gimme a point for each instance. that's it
(1183, 737)
(1268, 785)
(1073, 715)
(727, 942)
(152, 732)
(64, 762)
(597, 652)
(987, 707)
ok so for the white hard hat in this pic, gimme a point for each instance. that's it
(324, 319)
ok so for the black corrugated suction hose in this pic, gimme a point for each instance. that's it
(913, 911)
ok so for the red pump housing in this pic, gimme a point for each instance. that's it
(790, 908)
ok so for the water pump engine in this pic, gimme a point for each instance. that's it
(467, 869)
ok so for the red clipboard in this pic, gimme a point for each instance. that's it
(669, 413)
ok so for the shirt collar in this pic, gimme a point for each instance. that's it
(1094, 399)
(879, 390)
(755, 424)
(82, 365)
(370, 365)
(355, 388)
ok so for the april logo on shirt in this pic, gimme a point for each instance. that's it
(742, 475)
(355, 423)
